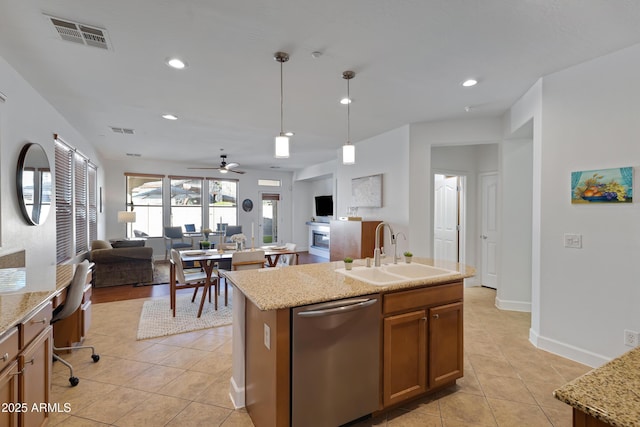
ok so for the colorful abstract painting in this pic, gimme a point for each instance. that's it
(602, 186)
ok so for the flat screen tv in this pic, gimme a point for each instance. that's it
(324, 205)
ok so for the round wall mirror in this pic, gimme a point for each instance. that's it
(34, 184)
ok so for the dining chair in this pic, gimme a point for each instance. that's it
(289, 258)
(183, 280)
(247, 260)
(174, 239)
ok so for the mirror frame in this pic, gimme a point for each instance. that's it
(29, 147)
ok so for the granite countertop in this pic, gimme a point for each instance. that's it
(610, 393)
(15, 307)
(293, 286)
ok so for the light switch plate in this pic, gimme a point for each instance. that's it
(573, 241)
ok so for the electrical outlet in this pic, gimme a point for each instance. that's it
(573, 240)
(630, 338)
(267, 336)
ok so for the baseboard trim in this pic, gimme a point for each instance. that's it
(236, 394)
(523, 306)
(567, 351)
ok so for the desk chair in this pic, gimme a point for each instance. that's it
(196, 280)
(174, 239)
(71, 304)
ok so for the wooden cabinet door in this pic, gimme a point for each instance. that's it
(9, 396)
(35, 380)
(405, 356)
(445, 344)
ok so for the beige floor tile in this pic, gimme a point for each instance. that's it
(468, 408)
(543, 393)
(216, 393)
(401, 418)
(187, 385)
(155, 353)
(506, 388)
(115, 371)
(214, 364)
(199, 414)
(559, 416)
(238, 419)
(185, 358)
(494, 365)
(182, 340)
(81, 422)
(209, 342)
(82, 395)
(514, 414)
(111, 406)
(156, 411)
(154, 378)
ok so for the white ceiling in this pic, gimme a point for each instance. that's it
(409, 57)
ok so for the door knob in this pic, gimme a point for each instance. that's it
(482, 236)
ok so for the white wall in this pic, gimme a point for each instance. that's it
(589, 296)
(27, 117)
(115, 188)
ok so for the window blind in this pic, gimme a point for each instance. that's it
(93, 202)
(64, 207)
(81, 211)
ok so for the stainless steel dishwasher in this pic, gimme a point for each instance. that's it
(335, 372)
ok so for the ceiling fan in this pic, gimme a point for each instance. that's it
(224, 166)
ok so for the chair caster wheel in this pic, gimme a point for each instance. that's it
(95, 358)
(74, 381)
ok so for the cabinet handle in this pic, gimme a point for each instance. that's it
(436, 316)
(424, 318)
(43, 321)
(30, 362)
(5, 357)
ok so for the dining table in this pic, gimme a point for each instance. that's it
(209, 258)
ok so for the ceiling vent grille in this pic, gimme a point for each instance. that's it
(124, 131)
(80, 33)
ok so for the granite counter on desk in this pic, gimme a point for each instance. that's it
(15, 307)
(610, 393)
(276, 288)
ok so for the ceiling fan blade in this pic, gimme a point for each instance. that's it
(232, 165)
(204, 168)
(234, 171)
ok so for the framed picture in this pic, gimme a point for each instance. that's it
(602, 186)
(366, 192)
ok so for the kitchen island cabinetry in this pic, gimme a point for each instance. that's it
(420, 348)
(422, 341)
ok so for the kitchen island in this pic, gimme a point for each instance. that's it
(420, 324)
(606, 396)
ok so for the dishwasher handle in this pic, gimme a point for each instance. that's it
(340, 309)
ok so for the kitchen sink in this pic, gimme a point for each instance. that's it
(373, 276)
(416, 271)
(391, 274)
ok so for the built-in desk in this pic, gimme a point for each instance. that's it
(25, 350)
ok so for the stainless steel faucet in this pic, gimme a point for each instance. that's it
(376, 251)
(395, 247)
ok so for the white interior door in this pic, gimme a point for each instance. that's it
(489, 229)
(446, 218)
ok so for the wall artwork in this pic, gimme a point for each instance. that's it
(602, 186)
(366, 192)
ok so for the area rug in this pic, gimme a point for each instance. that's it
(156, 319)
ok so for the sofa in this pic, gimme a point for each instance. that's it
(120, 266)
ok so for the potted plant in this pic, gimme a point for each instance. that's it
(206, 233)
(408, 256)
(348, 263)
(205, 244)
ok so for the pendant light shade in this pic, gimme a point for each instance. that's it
(282, 141)
(348, 149)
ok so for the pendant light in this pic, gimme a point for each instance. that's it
(348, 149)
(282, 141)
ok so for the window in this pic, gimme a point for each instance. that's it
(76, 217)
(223, 198)
(144, 196)
(186, 201)
(269, 182)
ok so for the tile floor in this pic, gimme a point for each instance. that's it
(183, 380)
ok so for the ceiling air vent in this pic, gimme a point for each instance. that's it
(80, 33)
(124, 131)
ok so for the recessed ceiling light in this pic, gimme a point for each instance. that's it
(469, 82)
(345, 101)
(169, 117)
(289, 133)
(176, 63)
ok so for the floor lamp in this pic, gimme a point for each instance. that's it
(128, 218)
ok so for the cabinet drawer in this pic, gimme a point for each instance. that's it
(34, 324)
(9, 347)
(422, 297)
